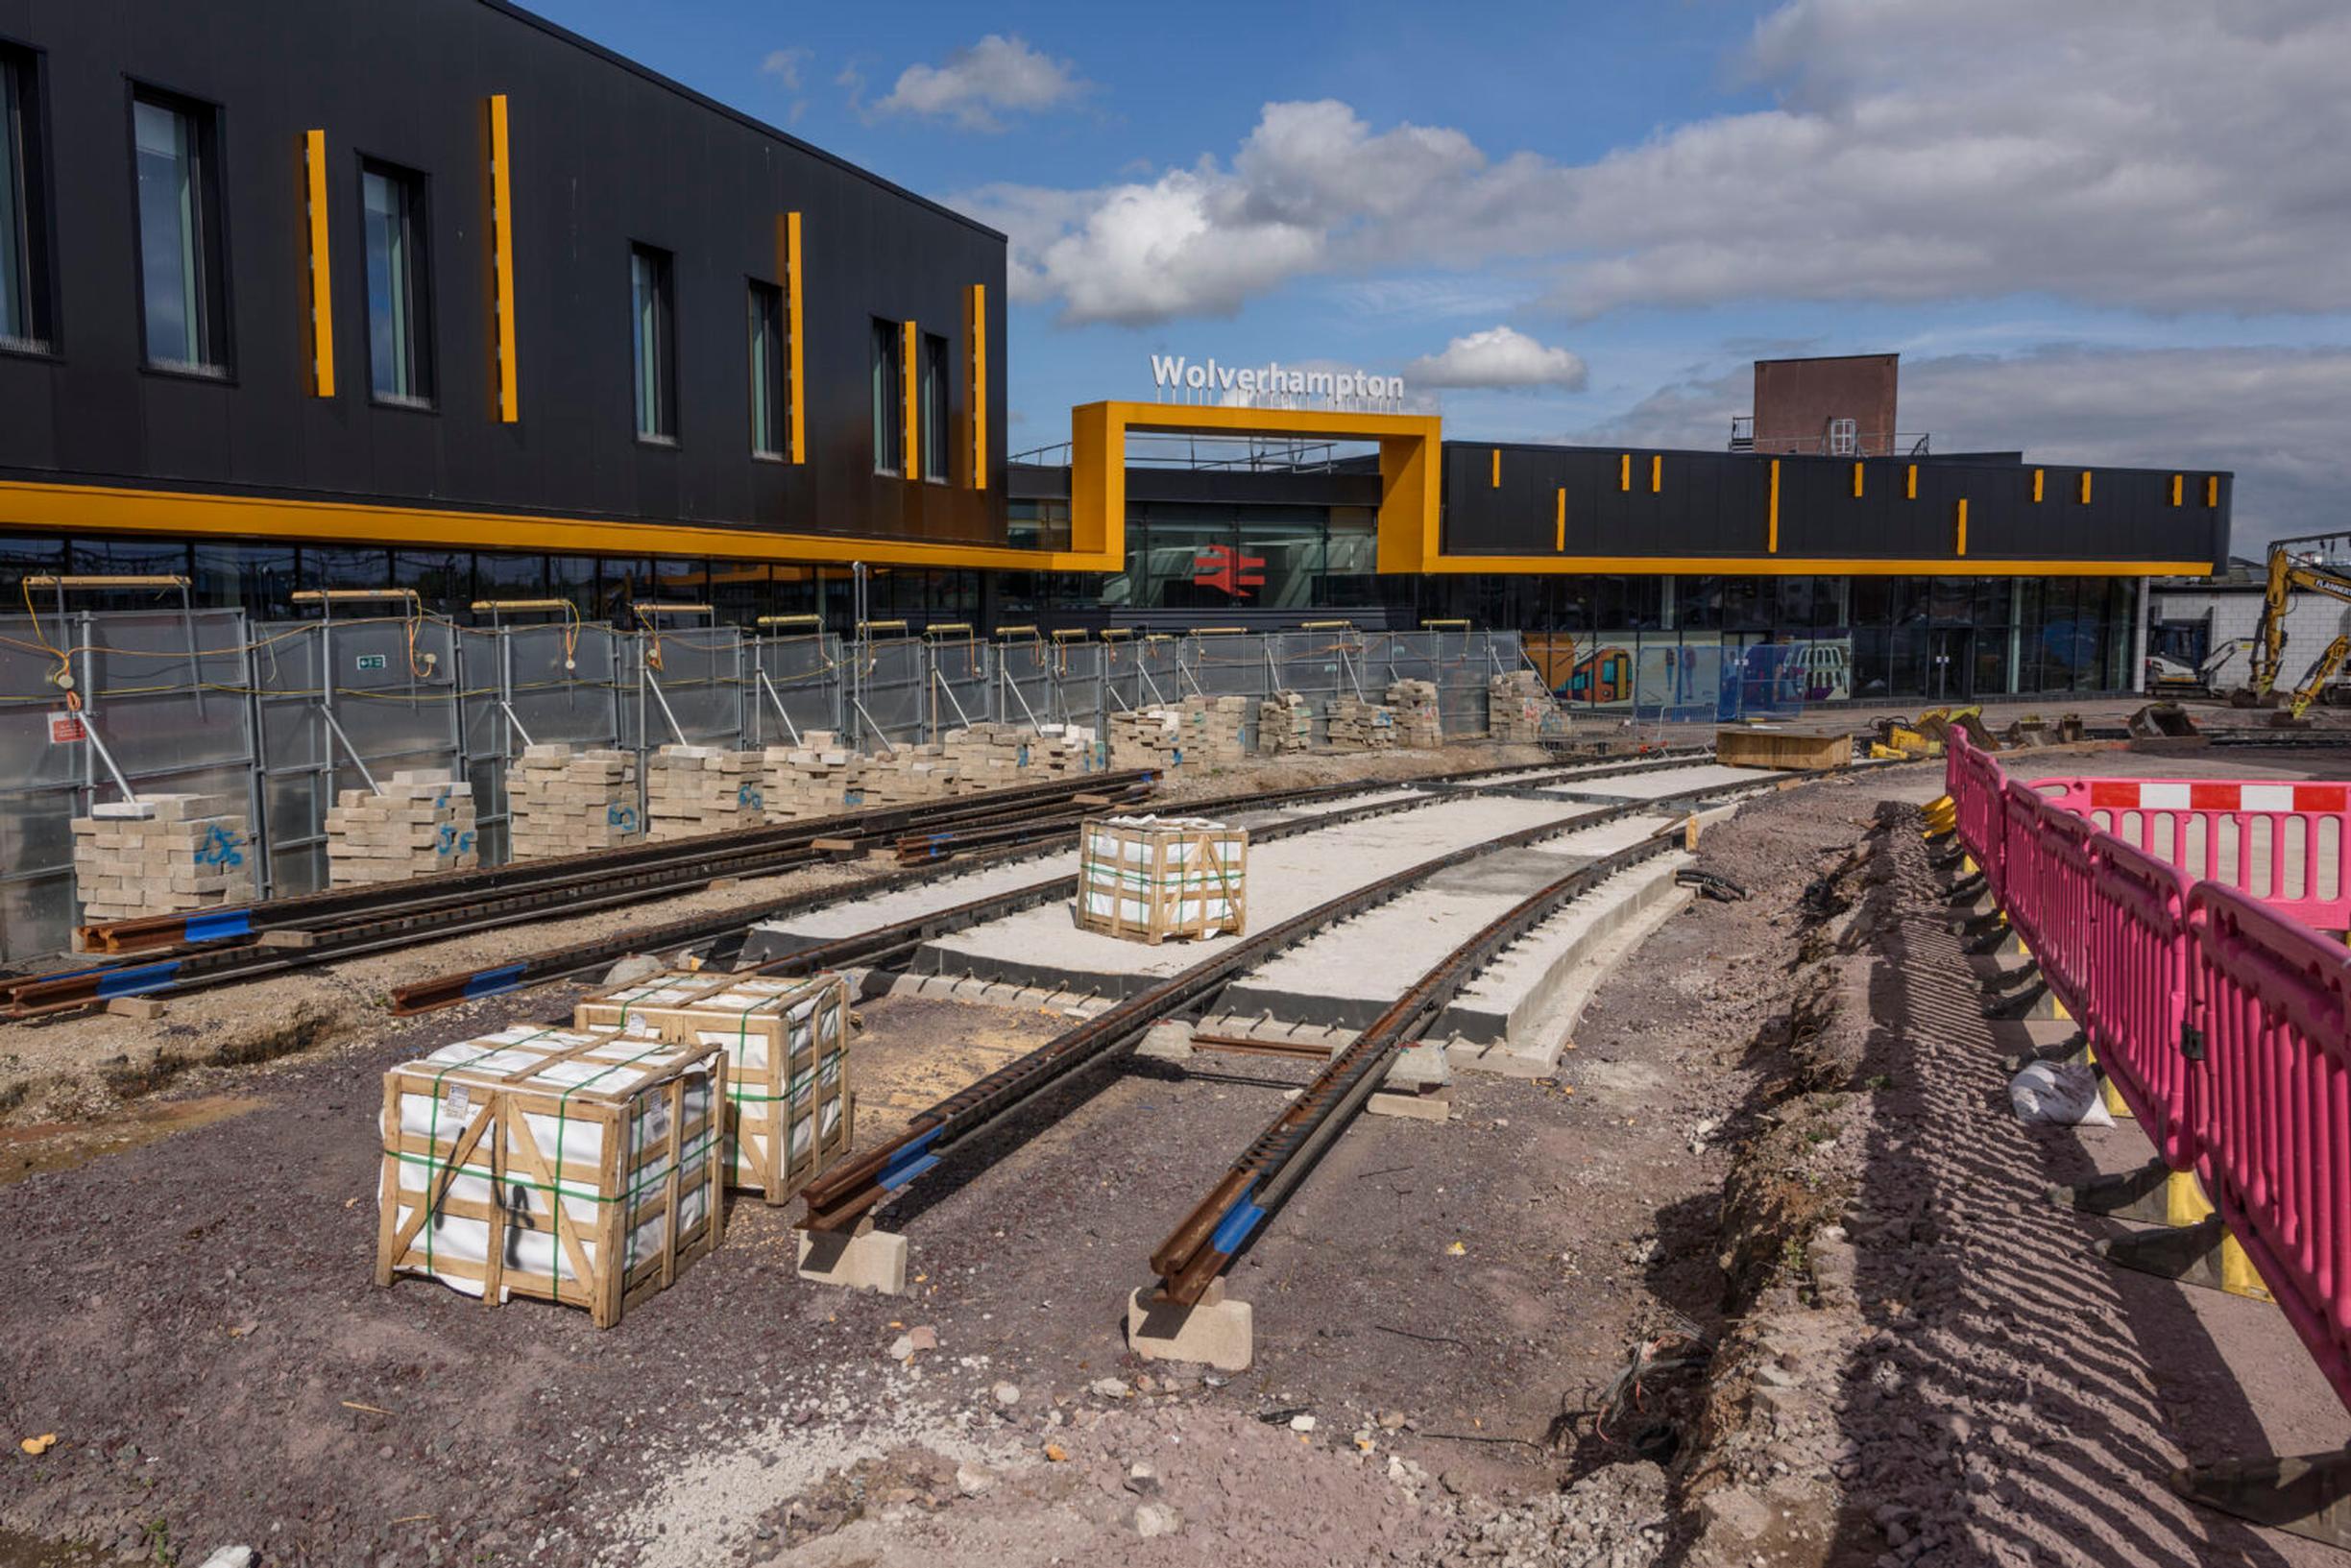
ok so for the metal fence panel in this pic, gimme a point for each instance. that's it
(1141, 672)
(891, 677)
(1079, 690)
(962, 684)
(1025, 682)
(801, 691)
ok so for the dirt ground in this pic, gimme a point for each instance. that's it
(1775, 1164)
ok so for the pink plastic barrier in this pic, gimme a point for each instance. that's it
(1973, 780)
(2272, 1132)
(2285, 844)
(2137, 984)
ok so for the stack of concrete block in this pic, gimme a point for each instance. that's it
(1414, 703)
(1516, 704)
(906, 776)
(161, 855)
(810, 780)
(992, 756)
(565, 801)
(419, 824)
(1285, 723)
(1146, 737)
(691, 790)
(1357, 725)
(1212, 729)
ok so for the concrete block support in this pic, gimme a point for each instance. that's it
(1219, 1332)
(868, 1260)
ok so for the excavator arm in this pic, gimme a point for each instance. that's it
(2287, 577)
(2323, 670)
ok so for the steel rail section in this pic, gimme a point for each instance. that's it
(838, 1199)
(305, 910)
(1286, 1151)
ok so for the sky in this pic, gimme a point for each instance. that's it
(2102, 231)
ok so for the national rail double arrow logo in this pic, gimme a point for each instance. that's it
(1220, 566)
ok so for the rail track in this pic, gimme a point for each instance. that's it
(843, 1198)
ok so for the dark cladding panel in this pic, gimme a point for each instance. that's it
(602, 155)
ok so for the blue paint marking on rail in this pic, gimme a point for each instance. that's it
(491, 982)
(1238, 1221)
(216, 927)
(141, 978)
(909, 1162)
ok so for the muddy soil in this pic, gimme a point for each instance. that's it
(194, 1315)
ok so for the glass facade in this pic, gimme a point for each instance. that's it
(178, 289)
(19, 292)
(400, 347)
(889, 395)
(652, 358)
(768, 372)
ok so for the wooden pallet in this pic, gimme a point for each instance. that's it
(1800, 751)
(791, 1111)
(480, 1138)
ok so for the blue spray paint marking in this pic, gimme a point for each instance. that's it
(1238, 1221)
(491, 982)
(909, 1162)
(622, 817)
(748, 795)
(130, 983)
(218, 848)
(214, 928)
(453, 842)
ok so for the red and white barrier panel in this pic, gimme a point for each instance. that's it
(2285, 844)
(2272, 1097)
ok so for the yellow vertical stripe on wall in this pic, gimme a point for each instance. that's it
(2177, 481)
(2085, 486)
(2037, 478)
(1558, 524)
(1624, 471)
(908, 381)
(1962, 525)
(975, 331)
(1771, 542)
(2211, 489)
(1857, 481)
(1495, 482)
(1656, 472)
(791, 349)
(321, 276)
(502, 261)
(1910, 484)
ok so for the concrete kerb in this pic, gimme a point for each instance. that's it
(863, 1260)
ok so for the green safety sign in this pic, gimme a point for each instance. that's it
(371, 661)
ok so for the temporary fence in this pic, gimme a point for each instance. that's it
(279, 718)
(2221, 1017)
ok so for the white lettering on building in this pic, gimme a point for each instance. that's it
(1271, 385)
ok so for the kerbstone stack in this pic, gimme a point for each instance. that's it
(1285, 723)
(562, 801)
(1516, 704)
(419, 824)
(810, 780)
(691, 790)
(163, 855)
(1150, 738)
(1357, 725)
(1418, 721)
(1212, 729)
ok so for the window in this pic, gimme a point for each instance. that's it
(888, 385)
(935, 383)
(768, 392)
(24, 283)
(399, 335)
(655, 360)
(179, 234)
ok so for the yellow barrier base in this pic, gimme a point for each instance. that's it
(2307, 1495)
(2153, 1194)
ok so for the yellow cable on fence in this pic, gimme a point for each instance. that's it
(63, 676)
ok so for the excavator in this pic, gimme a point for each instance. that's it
(2293, 570)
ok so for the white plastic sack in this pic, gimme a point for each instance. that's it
(2066, 1093)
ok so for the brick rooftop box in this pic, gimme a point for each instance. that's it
(1147, 878)
(790, 1111)
(577, 1166)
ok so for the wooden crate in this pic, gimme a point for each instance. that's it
(789, 1110)
(576, 1166)
(1795, 749)
(1147, 878)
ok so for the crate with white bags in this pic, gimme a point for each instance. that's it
(1148, 879)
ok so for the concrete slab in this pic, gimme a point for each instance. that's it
(1433, 1106)
(1348, 975)
(1648, 787)
(1041, 947)
(873, 1260)
(1219, 1332)
(1517, 1018)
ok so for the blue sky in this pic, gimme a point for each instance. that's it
(2112, 230)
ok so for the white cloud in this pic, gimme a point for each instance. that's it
(2164, 155)
(2272, 416)
(977, 83)
(784, 66)
(1497, 357)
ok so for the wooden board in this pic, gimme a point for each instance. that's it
(1802, 751)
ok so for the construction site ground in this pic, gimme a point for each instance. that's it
(1777, 1154)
